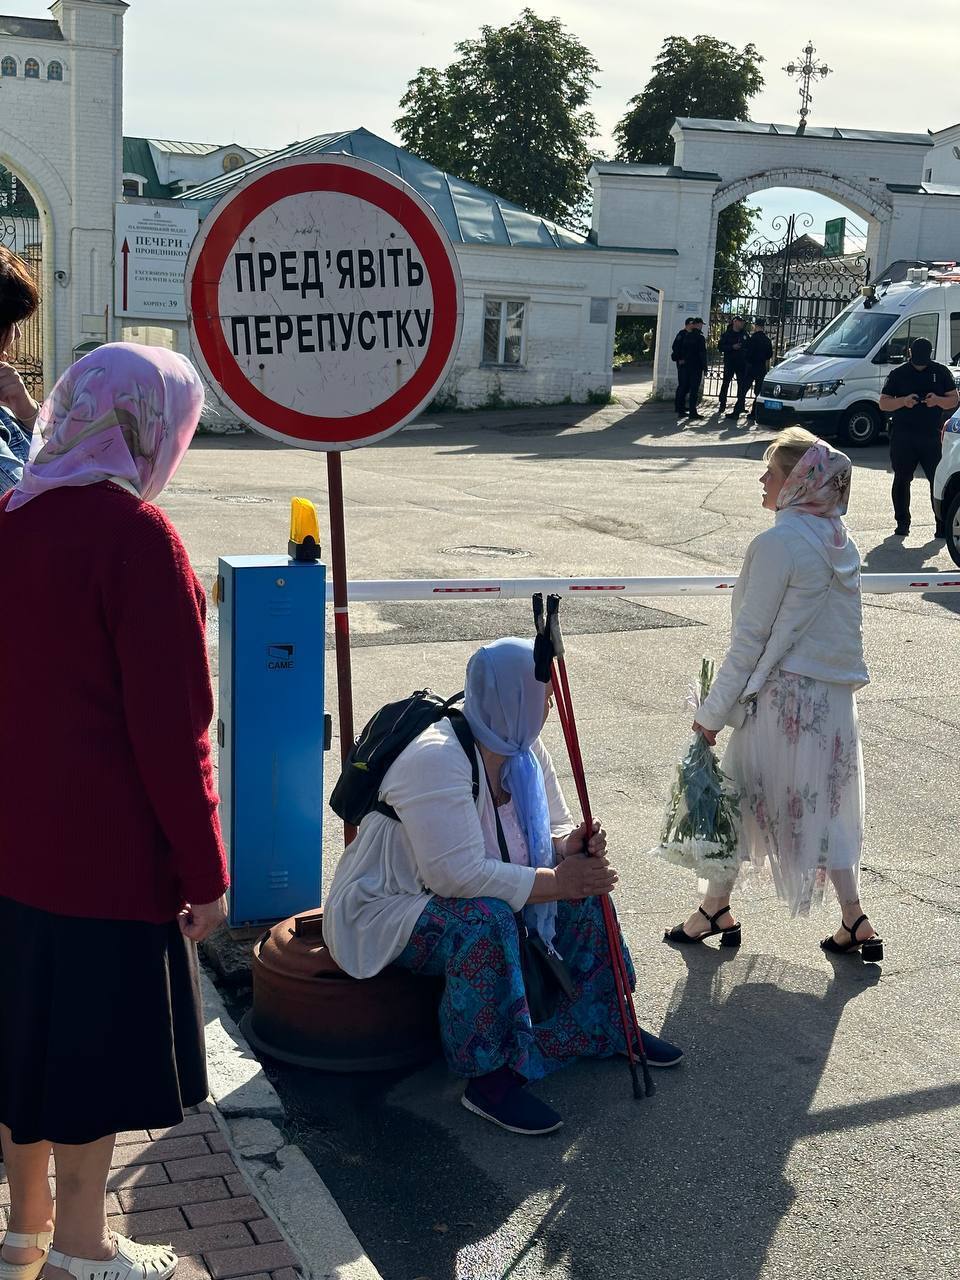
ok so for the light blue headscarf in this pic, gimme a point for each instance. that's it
(503, 705)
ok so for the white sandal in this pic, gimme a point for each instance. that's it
(25, 1270)
(131, 1262)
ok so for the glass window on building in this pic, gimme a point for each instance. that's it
(503, 331)
(55, 71)
(8, 67)
(31, 69)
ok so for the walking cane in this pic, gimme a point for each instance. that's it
(550, 662)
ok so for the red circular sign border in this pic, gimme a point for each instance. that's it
(229, 224)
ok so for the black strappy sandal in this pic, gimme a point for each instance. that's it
(872, 949)
(729, 937)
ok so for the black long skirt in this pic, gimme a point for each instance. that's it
(101, 1026)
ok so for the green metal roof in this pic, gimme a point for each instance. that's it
(630, 169)
(203, 148)
(923, 189)
(30, 28)
(137, 158)
(814, 131)
(469, 214)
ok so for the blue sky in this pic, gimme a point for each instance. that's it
(266, 74)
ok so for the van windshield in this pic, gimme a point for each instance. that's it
(852, 334)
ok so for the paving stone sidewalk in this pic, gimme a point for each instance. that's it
(182, 1187)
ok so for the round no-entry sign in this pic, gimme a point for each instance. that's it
(325, 301)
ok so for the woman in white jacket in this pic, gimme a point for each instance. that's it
(787, 685)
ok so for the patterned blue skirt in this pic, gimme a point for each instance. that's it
(484, 1019)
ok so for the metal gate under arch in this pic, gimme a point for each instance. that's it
(792, 284)
(21, 232)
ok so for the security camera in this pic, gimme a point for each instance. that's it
(60, 277)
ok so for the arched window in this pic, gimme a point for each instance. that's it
(55, 71)
(31, 69)
(8, 67)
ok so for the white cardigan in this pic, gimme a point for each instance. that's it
(794, 609)
(445, 844)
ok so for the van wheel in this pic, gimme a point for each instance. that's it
(951, 527)
(860, 425)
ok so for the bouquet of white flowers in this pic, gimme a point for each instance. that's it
(701, 824)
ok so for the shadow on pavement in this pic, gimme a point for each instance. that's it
(685, 1185)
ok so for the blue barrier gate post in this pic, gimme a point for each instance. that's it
(272, 732)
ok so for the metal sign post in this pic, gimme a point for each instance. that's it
(325, 305)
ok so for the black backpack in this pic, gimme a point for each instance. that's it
(384, 736)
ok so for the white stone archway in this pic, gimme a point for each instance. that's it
(53, 209)
(674, 208)
(873, 206)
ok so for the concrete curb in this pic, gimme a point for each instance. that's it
(279, 1174)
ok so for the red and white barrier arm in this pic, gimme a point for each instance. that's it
(394, 589)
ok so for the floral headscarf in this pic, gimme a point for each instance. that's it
(123, 412)
(819, 485)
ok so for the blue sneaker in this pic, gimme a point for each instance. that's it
(660, 1053)
(516, 1111)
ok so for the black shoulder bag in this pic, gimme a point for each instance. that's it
(545, 976)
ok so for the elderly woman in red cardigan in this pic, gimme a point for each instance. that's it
(111, 860)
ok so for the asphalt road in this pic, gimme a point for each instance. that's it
(814, 1130)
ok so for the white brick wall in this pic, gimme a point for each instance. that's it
(566, 355)
(63, 138)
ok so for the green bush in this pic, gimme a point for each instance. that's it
(635, 340)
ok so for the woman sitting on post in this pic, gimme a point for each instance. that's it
(433, 893)
(787, 684)
(111, 862)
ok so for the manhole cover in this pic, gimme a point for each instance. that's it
(483, 551)
(240, 499)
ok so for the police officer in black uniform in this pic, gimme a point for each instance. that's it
(759, 355)
(689, 353)
(733, 348)
(916, 394)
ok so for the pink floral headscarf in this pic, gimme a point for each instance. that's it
(819, 485)
(122, 412)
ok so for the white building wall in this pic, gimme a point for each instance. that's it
(64, 139)
(943, 162)
(568, 354)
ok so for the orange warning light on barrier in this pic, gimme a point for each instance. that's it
(304, 543)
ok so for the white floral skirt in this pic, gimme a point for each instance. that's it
(798, 762)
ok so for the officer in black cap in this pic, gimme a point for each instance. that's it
(689, 354)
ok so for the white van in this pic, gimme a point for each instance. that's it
(832, 386)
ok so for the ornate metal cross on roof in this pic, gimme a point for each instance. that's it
(806, 70)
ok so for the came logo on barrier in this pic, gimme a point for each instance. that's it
(280, 657)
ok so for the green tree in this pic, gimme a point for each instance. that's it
(510, 114)
(702, 78)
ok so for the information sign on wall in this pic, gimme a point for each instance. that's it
(152, 244)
